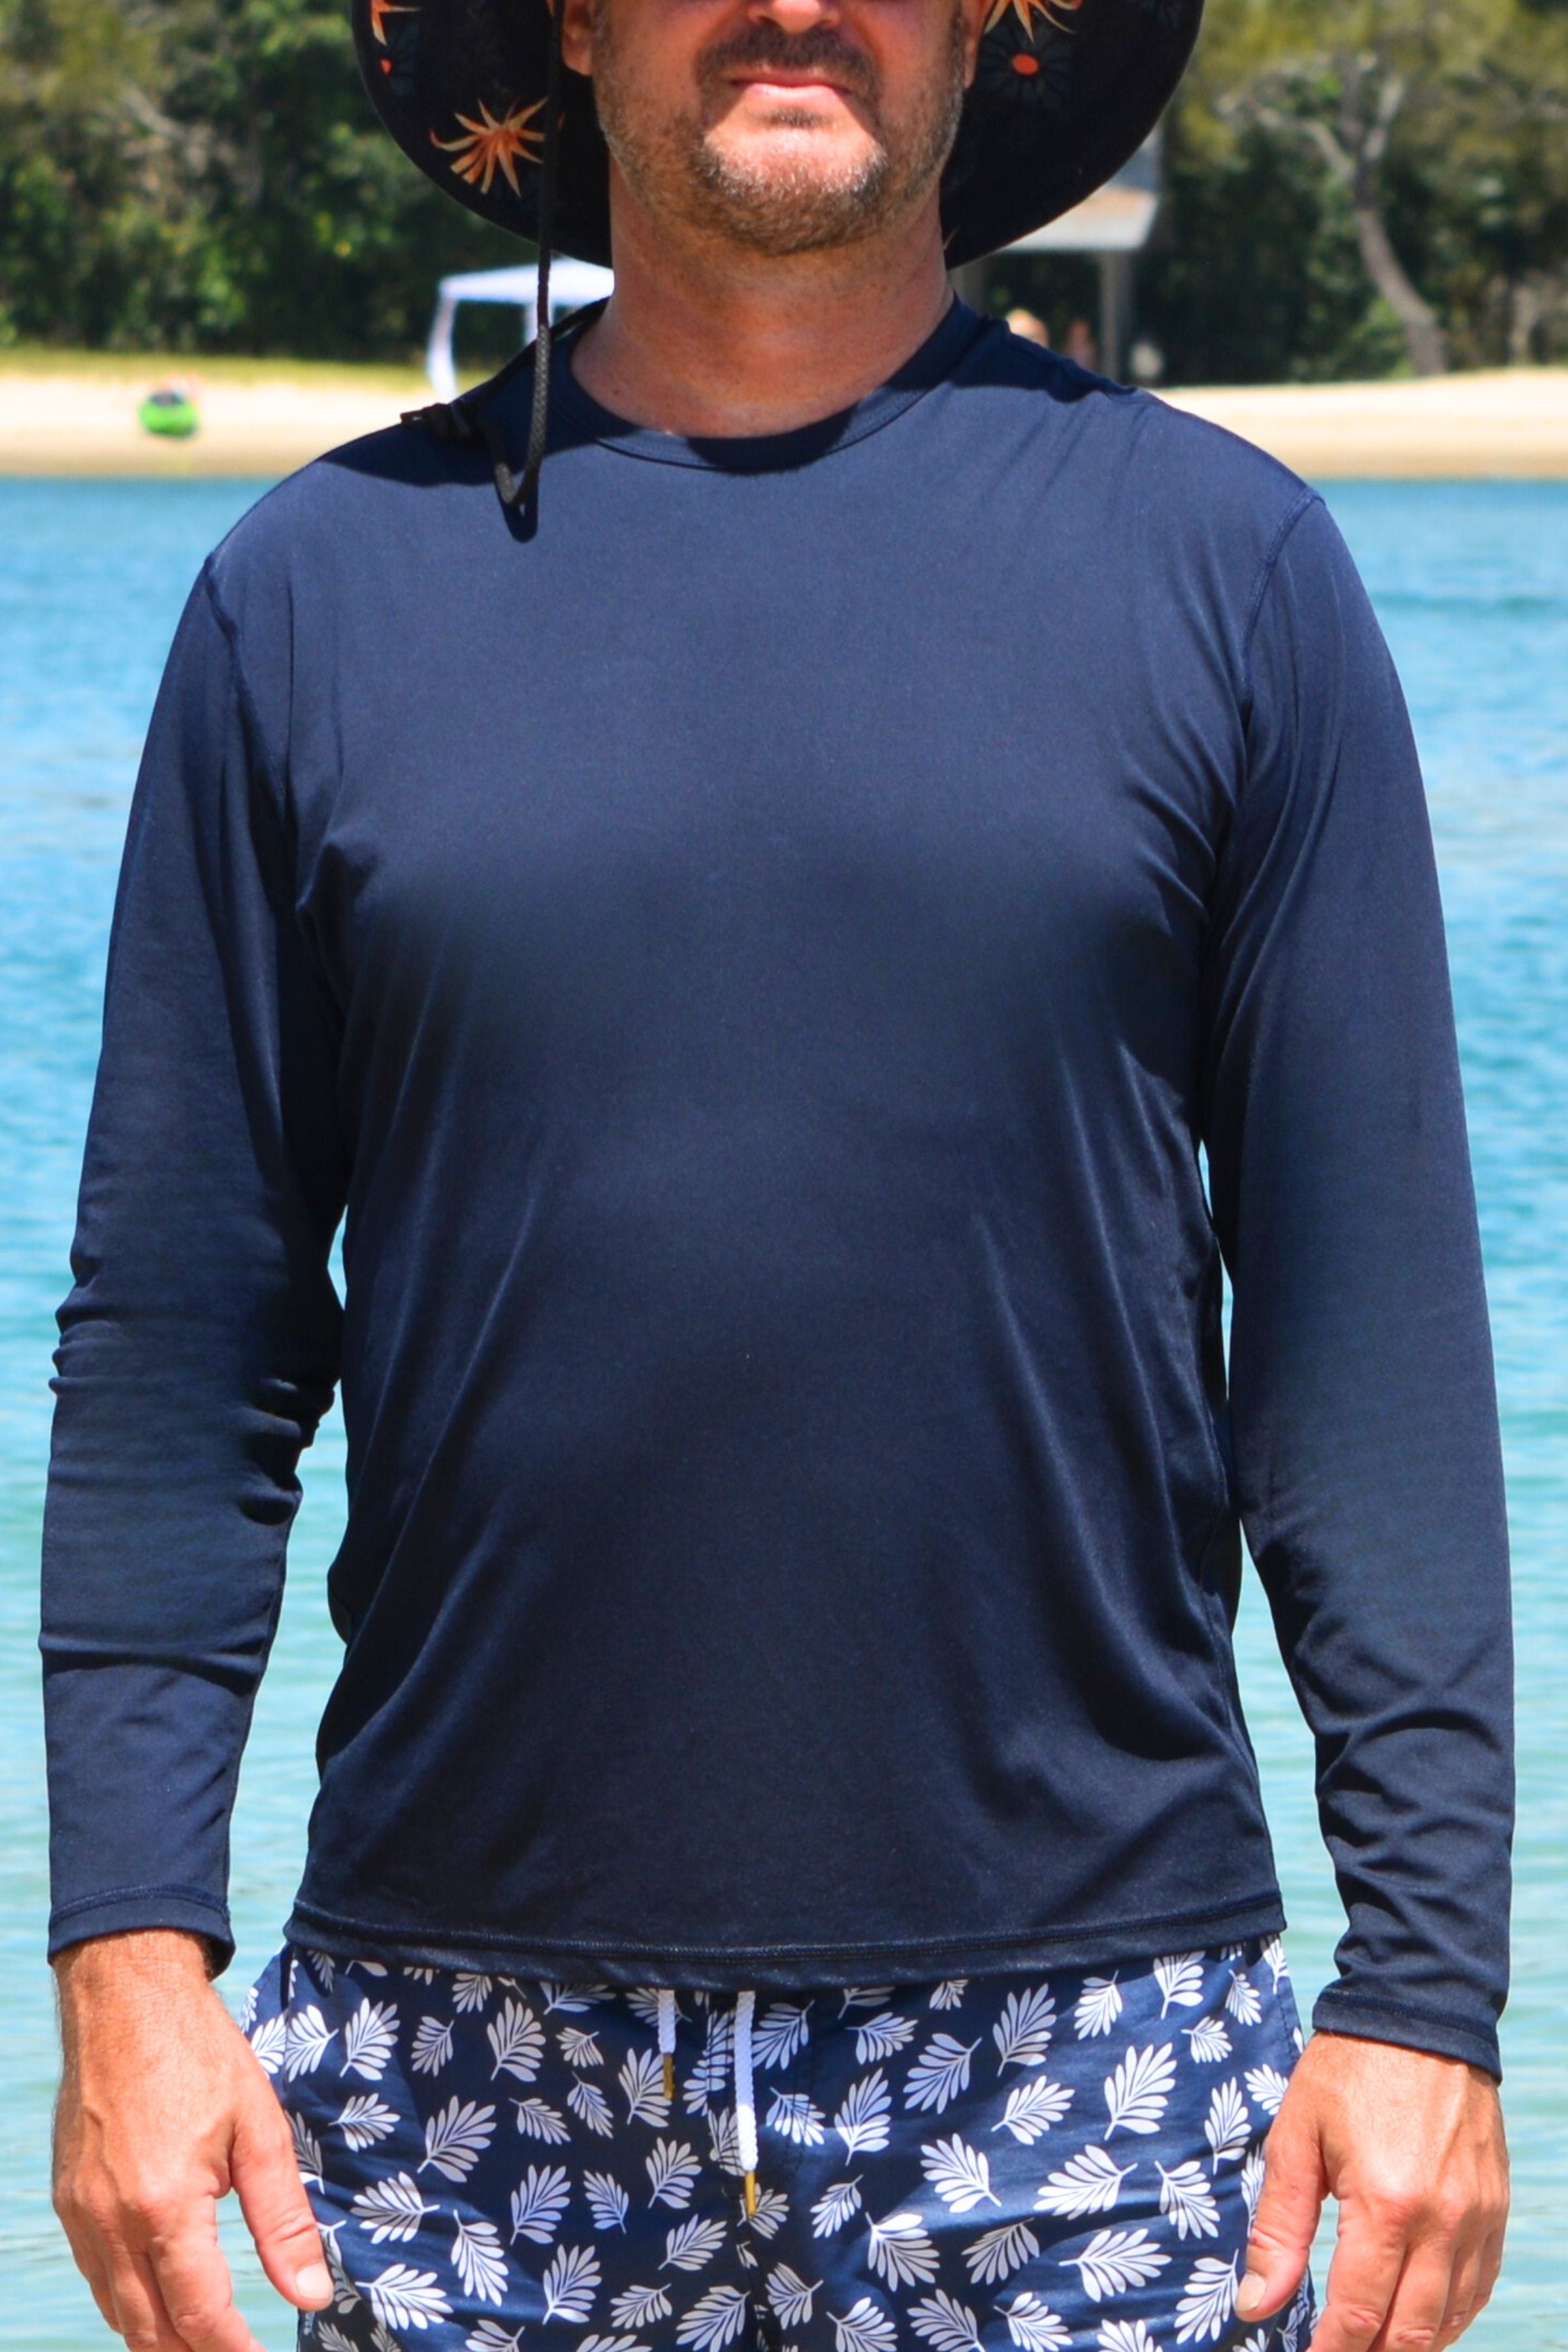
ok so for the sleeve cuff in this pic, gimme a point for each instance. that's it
(132, 1908)
(1341, 2010)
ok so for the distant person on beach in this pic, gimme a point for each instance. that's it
(801, 879)
(1081, 346)
(1032, 328)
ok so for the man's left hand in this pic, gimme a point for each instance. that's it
(1412, 2146)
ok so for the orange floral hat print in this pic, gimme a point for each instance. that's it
(1065, 89)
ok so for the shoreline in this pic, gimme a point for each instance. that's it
(64, 417)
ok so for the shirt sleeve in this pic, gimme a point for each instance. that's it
(199, 1344)
(1363, 1417)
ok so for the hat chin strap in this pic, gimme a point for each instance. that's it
(463, 420)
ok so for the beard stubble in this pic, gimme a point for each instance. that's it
(786, 205)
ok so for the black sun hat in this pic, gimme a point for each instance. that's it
(1064, 91)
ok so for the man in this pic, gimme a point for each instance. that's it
(756, 923)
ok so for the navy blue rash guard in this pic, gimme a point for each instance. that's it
(756, 962)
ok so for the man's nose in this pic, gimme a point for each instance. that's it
(796, 15)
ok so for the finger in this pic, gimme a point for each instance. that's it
(196, 2290)
(139, 2314)
(1420, 2298)
(88, 2256)
(1470, 2285)
(1288, 2209)
(1368, 2258)
(276, 2211)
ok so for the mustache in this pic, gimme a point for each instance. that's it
(819, 49)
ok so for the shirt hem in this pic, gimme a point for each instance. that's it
(630, 1963)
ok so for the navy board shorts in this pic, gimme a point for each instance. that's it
(1065, 2162)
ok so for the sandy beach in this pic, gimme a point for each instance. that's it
(261, 420)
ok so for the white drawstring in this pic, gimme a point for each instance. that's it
(745, 2112)
(745, 2107)
(667, 2036)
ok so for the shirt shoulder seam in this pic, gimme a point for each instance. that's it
(1306, 497)
(249, 709)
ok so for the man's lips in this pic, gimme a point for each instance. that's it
(767, 80)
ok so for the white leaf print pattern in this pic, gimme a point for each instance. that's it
(517, 2041)
(571, 2283)
(793, 2114)
(268, 2042)
(641, 2079)
(456, 2137)
(1181, 1980)
(489, 2335)
(996, 2253)
(1087, 2182)
(882, 2036)
(1033, 2107)
(1267, 2087)
(477, 2259)
(608, 2200)
(307, 2150)
(940, 2072)
(404, 2297)
(1115, 2260)
(579, 2047)
(1226, 2127)
(772, 2212)
(537, 2120)
(863, 2327)
(639, 2305)
(471, 1991)
(724, 2139)
(305, 2041)
(328, 2337)
(1097, 2008)
(1209, 2040)
(369, 2039)
(585, 2099)
(1137, 2092)
(790, 2295)
(713, 2319)
(864, 1997)
(862, 2120)
(960, 2174)
(538, 2202)
(672, 2169)
(573, 2000)
(366, 2119)
(900, 2252)
(834, 2207)
(391, 2209)
(1208, 2300)
(948, 1994)
(693, 2244)
(1184, 2195)
(1242, 1999)
(1252, 2183)
(612, 2343)
(945, 2323)
(1273, 1953)
(1126, 2336)
(1023, 2031)
(781, 2030)
(1033, 2324)
(432, 2046)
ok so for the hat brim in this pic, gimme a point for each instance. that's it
(1064, 91)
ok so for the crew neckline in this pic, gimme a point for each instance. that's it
(577, 415)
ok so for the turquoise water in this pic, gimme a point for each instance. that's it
(1471, 580)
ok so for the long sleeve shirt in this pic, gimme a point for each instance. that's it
(760, 962)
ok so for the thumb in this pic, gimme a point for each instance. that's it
(276, 2211)
(1293, 2189)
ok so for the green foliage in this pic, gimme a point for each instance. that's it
(208, 174)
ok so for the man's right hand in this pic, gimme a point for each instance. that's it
(163, 2109)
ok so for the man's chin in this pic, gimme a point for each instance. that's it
(789, 196)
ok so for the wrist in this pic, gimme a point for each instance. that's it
(129, 1965)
